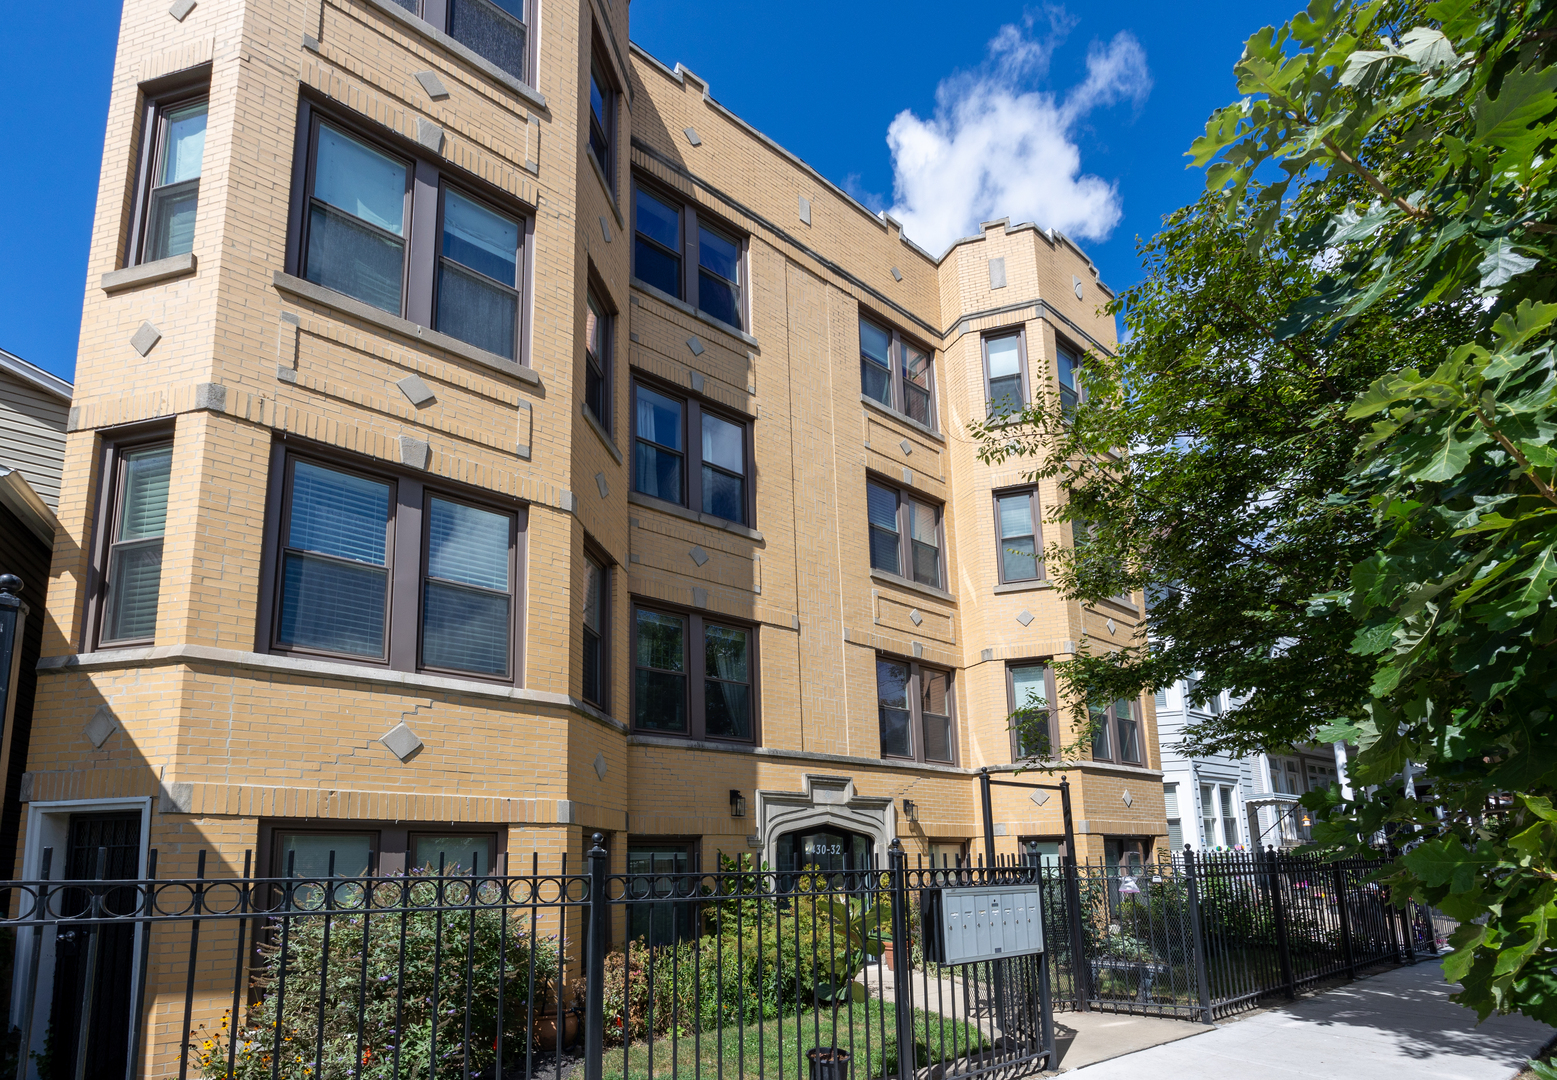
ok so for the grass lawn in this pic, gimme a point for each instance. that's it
(776, 1049)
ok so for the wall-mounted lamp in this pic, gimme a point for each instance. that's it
(1306, 822)
(910, 810)
(737, 803)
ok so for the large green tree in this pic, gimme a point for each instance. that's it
(1339, 396)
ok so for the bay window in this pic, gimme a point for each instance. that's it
(496, 30)
(170, 188)
(665, 427)
(681, 251)
(1018, 536)
(1116, 732)
(131, 558)
(1005, 370)
(1029, 700)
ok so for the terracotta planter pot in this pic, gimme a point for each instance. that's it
(887, 956)
(546, 1030)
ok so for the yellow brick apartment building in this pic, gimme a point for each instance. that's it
(483, 438)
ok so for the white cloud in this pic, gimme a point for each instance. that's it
(996, 147)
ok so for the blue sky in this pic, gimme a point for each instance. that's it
(1079, 115)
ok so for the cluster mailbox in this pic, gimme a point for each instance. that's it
(972, 923)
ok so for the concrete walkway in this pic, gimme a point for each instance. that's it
(1400, 1025)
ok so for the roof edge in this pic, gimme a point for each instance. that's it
(17, 495)
(35, 375)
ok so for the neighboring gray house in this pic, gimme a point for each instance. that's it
(33, 410)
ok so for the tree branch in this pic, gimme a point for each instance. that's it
(1524, 463)
(1374, 182)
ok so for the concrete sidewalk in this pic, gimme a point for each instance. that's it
(1399, 1025)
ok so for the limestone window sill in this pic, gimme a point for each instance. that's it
(175, 266)
(696, 313)
(677, 510)
(872, 403)
(600, 432)
(904, 583)
(1022, 586)
(318, 294)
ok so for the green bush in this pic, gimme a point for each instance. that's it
(469, 948)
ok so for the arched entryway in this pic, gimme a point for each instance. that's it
(826, 848)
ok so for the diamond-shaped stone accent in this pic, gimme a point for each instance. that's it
(432, 84)
(103, 724)
(145, 338)
(692, 136)
(916, 617)
(908, 447)
(1025, 618)
(1039, 797)
(918, 650)
(416, 391)
(429, 134)
(897, 275)
(181, 9)
(401, 741)
(600, 482)
(600, 766)
(1129, 800)
(695, 345)
(699, 556)
(908, 476)
(1112, 626)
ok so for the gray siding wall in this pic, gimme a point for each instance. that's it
(32, 435)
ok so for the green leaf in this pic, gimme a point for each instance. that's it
(1502, 262)
(1445, 862)
(1525, 97)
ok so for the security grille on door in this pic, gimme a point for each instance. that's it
(970, 924)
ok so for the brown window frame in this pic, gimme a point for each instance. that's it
(905, 551)
(429, 178)
(691, 218)
(1024, 388)
(438, 14)
(158, 98)
(393, 842)
(600, 366)
(116, 446)
(1078, 361)
(1035, 509)
(602, 639)
(1110, 729)
(1051, 712)
(897, 377)
(916, 671)
(692, 409)
(406, 558)
(694, 623)
(601, 76)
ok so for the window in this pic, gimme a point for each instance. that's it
(597, 359)
(1212, 828)
(1116, 733)
(382, 849)
(663, 428)
(137, 521)
(915, 709)
(1229, 818)
(1005, 364)
(1029, 697)
(602, 122)
(373, 566)
(596, 598)
(694, 675)
(1170, 802)
(386, 228)
(896, 373)
(679, 253)
(658, 911)
(170, 189)
(905, 535)
(1018, 535)
(495, 29)
(1071, 390)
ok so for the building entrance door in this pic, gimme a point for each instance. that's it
(824, 848)
(118, 835)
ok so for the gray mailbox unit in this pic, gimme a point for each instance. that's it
(974, 923)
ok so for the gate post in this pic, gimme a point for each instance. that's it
(1201, 978)
(902, 988)
(594, 978)
(1346, 921)
(1408, 932)
(1278, 908)
(1080, 972)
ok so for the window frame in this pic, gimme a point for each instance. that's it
(1078, 358)
(437, 14)
(905, 552)
(603, 638)
(113, 452)
(898, 343)
(1024, 377)
(603, 363)
(693, 406)
(1052, 709)
(429, 176)
(406, 554)
(916, 671)
(690, 218)
(157, 99)
(694, 622)
(393, 842)
(1035, 509)
(1111, 731)
(602, 75)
